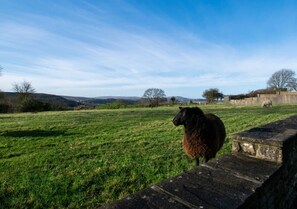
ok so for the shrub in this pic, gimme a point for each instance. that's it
(113, 105)
(29, 104)
(4, 108)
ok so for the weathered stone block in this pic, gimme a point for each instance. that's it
(248, 148)
(235, 146)
(270, 153)
(272, 142)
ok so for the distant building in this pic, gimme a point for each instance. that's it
(227, 98)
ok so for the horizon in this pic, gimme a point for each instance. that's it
(93, 49)
(108, 96)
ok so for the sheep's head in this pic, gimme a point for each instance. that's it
(187, 115)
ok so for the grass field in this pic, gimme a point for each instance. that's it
(82, 159)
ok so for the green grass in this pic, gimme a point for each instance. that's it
(82, 159)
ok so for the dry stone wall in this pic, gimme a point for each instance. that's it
(278, 98)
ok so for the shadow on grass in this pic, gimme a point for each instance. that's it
(34, 133)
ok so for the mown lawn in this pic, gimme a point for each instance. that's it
(82, 159)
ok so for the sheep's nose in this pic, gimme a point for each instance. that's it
(175, 122)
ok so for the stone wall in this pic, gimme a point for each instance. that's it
(278, 98)
(261, 172)
(275, 142)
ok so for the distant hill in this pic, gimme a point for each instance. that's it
(127, 99)
(102, 100)
(119, 97)
(47, 98)
(184, 99)
(72, 101)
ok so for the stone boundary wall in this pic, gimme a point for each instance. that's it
(260, 173)
(278, 98)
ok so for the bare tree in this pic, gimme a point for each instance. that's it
(283, 79)
(26, 102)
(23, 89)
(1, 93)
(1, 68)
(154, 96)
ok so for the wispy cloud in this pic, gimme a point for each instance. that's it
(88, 54)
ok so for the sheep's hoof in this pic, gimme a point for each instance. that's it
(197, 161)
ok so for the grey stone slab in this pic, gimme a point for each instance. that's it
(221, 183)
(210, 188)
(146, 199)
(248, 168)
(275, 133)
(278, 140)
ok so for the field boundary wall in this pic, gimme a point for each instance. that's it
(278, 98)
(261, 172)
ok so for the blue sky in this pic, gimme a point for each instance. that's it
(122, 47)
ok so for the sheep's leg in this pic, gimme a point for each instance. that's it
(208, 158)
(197, 161)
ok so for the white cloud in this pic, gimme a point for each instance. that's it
(104, 59)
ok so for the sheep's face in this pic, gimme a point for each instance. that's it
(180, 118)
(186, 115)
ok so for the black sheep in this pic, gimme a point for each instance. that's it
(204, 134)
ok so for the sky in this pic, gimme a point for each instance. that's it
(123, 47)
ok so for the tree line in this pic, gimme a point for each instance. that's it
(282, 80)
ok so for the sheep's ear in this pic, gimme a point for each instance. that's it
(180, 108)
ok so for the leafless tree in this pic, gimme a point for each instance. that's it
(283, 79)
(154, 96)
(1, 93)
(23, 89)
(26, 101)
